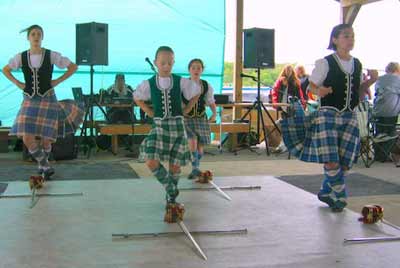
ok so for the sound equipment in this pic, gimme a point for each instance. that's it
(92, 44)
(259, 48)
(221, 99)
(120, 116)
(103, 142)
(65, 148)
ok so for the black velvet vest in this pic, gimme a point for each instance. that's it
(345, 86)
(199, 109)
(37, 80)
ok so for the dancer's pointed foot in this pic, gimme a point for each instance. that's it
(36, 182)
(205, 177)
(174, 212)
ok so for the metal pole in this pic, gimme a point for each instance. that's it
(39, 195)
(372, 239)
(169, 234)
(91, 101)
(258, 104)
(256, 187)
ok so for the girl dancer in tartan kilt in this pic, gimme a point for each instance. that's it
(331, 135)
(41, 115)
(167, 140)
(197, 125)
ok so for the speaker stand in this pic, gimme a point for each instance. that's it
(259, 107)
(88, 141)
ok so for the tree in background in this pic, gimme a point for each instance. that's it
(268, 76)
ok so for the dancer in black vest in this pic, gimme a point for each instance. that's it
(196, 122)
(41, 116)
(331, 135)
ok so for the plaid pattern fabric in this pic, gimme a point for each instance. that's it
(47, 118)
(70, 116)
(198, 128)
(323, 136)
(167, 141)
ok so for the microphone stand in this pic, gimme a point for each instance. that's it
(133, 124)
(151, 65)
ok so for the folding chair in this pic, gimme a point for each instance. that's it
(363, 111)
(370, 141)
(385, 137)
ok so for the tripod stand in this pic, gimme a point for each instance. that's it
(259, 107)
(89, 141)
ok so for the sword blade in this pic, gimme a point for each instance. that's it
(169, 234)
(186, 231)
(220, 191)
(40, 195)
(34, 199)
(372, 239)
(391, 224)
(232, 188)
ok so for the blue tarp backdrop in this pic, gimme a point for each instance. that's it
(136, 28)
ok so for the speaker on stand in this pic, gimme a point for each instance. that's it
(259, 53)
(259, 48)
(91, 49)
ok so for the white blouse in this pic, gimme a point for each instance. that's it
(189, 88)
(321, 69)
(55, 58)
(210, 95)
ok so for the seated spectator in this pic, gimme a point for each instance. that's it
(387, 97)
(303, 77)
(287, 85)
(387, 104)
(365, 94)
(120, 90)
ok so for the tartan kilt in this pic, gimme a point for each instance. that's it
(167, 141)
(198, 128)
(47, 118)
(323, 136)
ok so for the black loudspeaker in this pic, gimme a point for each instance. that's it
(65, 148)
(92, 44)
(259, 48)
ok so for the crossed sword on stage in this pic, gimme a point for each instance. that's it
(183, 227)
(36, 183)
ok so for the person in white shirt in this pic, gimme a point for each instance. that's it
(196, 122)
(41, 115)
(167, 140)
(330, 135)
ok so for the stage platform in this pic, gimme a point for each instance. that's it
(287, 227)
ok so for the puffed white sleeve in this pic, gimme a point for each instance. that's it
(16, 62)
(210, 95)
(58, 60)
(142, 91)
(320, 72)
(189, 88)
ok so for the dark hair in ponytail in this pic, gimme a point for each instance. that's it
(196, 60)
(30, 28)
(164, 49)
(335, 34)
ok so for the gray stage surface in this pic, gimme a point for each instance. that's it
(287, 227)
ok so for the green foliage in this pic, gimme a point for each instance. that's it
(268, 76)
